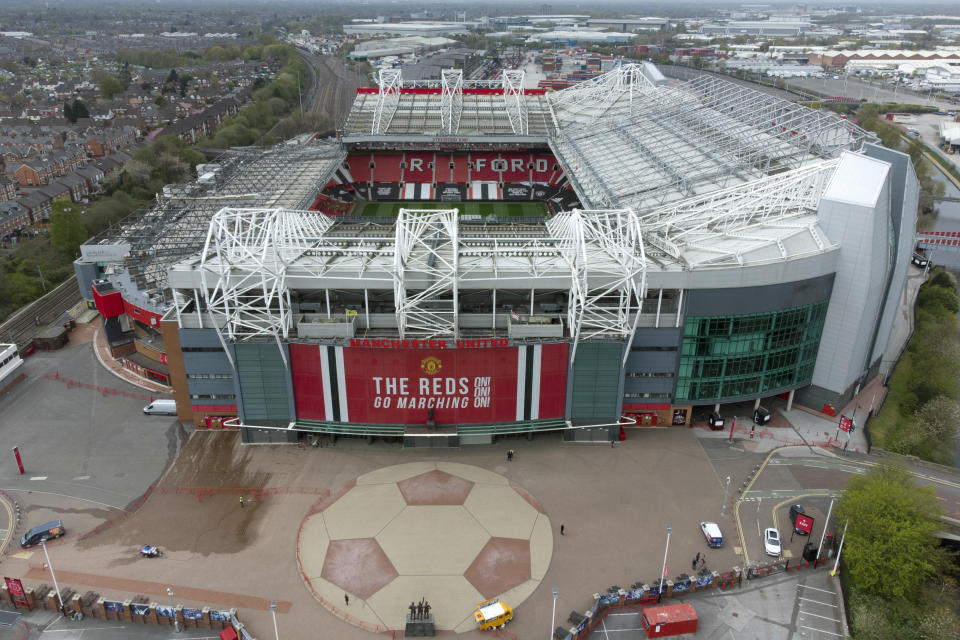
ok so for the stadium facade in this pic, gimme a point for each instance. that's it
(705, 243)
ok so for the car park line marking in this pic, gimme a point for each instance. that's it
(825, 604)
(815, 589)
(805, 613)
(39, 478)
(82, 478)
(839, 635)
(603, 625)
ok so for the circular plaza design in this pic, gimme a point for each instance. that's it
(453, 534)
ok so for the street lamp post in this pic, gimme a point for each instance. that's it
(824, 534)
(176, 623)
(664, 569)
(726, 493)
(553, 618)
(273, 610)
(43, 544)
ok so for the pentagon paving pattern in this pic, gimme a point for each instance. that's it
(454, 534)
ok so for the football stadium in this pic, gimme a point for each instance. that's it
(469, 259)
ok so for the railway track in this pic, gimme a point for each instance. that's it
(332, 87)
(23, 325)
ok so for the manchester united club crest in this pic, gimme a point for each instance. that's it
(431, 365)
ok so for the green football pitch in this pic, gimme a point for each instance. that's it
(499, 208)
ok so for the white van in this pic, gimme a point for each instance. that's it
(161, 408)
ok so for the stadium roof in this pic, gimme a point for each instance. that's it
(286, 176)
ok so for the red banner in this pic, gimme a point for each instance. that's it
(451, 386)
(804, 523)
(459, 386)
(845, 424)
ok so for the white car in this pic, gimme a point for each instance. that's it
(771, 542)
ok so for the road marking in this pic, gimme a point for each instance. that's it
(81, 630)
(39, 478)
(839, 635)
(815, 589)
(82, 478)
(818, 602)
(804, 613)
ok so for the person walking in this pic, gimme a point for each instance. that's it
(241, 502)
(346, 599)
(751, 431)
(510, 455)
(562, 527)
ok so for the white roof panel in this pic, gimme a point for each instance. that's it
(858, 180)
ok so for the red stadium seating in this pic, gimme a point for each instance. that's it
(359, 165)
(483, 166)
(461, 170)
(418, 168)
(387, 167)
(543, 169)
(515, 167)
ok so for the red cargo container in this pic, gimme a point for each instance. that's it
(669, 620)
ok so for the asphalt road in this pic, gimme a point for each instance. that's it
(858, 90)
(84, 451)
(784, 607)
(52, 626)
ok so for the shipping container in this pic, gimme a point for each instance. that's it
(669, 620)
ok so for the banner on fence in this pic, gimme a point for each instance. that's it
(220, 616)
(140, 609)
(166, 612)
(113, 606)
(192, 614)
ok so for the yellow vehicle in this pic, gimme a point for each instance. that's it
(492, 614)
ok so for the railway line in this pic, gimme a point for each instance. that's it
(332, 87)
(23, 325)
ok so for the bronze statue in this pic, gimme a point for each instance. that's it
(413, 611)
(426, 610)
(420, 610)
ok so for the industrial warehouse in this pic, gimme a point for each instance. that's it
(472, 259)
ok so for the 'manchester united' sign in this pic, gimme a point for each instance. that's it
(379, 385)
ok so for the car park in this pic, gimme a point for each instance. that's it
(711, 532)
(771, 542)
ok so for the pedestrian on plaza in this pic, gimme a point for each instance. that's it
(346, 599)
(241, 502)
(751, 431)
(510, 455)
(562, 527)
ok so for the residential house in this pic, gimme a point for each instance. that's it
(93, 176)
(25, 174)
(56, 192)
(38, 205)
(13, 218)
(8, 191)
(77, 185)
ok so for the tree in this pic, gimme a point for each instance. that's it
(67, 232)
(172, 76)
(68, 112)
(79, 110)
(110, 87)
(890, 545)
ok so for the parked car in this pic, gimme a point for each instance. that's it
(796, 509)
(42, 533)
(771, 542)
(711, 531)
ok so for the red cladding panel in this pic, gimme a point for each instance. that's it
(553, 380)
(110, 305)
(307, 381)
(399, 387)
